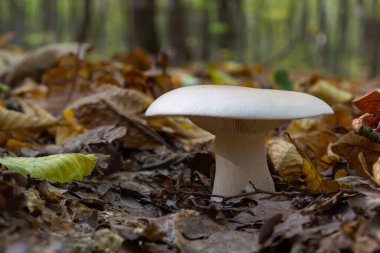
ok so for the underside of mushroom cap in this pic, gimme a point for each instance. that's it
(235, 102)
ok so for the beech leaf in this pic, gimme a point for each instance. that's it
(61, 168)
(13, 120)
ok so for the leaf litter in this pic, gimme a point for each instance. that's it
(151, 187)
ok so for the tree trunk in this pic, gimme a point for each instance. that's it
(227, 39)
(86, 21)
(177, 32)
(143, 27)
(323, 40)
(241, 33)
(49, 19)
(342, 32)
(204, 34)
(17, 21)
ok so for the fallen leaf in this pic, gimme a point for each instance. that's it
(369, 103)
(68, 128)
(314, 180)
(340, 121)
(286, 160)
(330, 93)
(181, 129)
(13, 120)
(62, 168)
(349, 147)
(41, 59)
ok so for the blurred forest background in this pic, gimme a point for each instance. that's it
(333, 36)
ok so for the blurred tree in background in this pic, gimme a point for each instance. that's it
(336, 36)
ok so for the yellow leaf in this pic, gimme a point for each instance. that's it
(286, 160)
(329, 93)
(314, 180)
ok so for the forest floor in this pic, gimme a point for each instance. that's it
(151, 187)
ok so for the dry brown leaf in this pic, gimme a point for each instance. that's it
(349, 147)
(112, 105)
(340, 121)
(31, 108)
(318, 142)
(94, 110)
(181, 129)
(369, 103)
(13, 120)
(41, 59)
(137, 58)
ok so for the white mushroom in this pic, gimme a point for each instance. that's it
(239, 118)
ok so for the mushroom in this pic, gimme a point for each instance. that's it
(239, 117)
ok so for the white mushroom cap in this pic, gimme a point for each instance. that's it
(237, 109)
(238, 116)
(238, 103)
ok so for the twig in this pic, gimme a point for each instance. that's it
(369, 133)
(258, 191)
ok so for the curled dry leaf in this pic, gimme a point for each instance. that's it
(368, 124)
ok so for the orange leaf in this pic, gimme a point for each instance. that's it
(369, 103)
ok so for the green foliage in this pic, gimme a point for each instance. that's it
(61, 168)
(282, 80)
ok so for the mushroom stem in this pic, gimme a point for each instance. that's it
(240, 159)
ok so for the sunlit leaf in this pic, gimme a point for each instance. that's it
(61, 168)
(329, 93)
